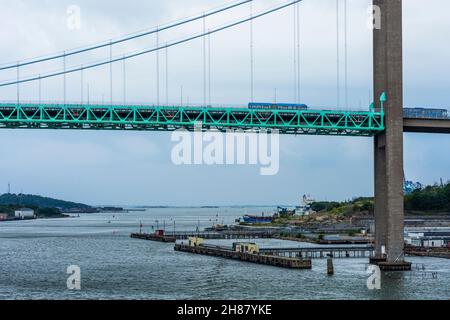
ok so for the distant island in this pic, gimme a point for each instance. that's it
(39, 201)
(43, 207)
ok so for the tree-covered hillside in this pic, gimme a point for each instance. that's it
(430, 198)
(25, 200)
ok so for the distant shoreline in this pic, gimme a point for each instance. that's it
(62, 216)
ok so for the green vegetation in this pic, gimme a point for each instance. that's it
(352, 233)
(44, 212)
(47, 212)
(429, 199)
(43, 207)
(290, 235)
(28, 200)
(324, 206)
(347, 208)
(9, 210)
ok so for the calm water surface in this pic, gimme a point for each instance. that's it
(34, 256)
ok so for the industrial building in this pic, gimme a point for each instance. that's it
(246, 247)
(24, 213)
(305, 208)
(428, 237)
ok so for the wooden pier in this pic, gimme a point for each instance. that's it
(322, 252)
(435, 252)
(367, 241)
(261, 258)
(173, 236)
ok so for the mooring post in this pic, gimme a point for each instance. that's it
(330, 267)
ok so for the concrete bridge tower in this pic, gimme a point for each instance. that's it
(388, 146)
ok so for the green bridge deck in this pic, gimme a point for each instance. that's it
(133, 117)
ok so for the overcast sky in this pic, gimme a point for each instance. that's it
(136, 167)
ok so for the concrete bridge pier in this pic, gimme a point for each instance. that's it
(388, 146)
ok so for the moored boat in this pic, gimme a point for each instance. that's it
(257, 219)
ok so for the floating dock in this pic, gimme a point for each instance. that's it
(261, 258)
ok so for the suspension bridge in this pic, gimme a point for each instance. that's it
(165, 118)
(384, 119)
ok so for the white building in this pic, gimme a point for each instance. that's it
(433, 242)
(24, 213)
(305, 208)
(428, 237)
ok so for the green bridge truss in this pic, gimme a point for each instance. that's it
(101, 117)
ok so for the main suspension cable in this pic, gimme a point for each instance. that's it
(68, 53)
(168, 45)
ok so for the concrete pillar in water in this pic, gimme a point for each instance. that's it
(330, 267)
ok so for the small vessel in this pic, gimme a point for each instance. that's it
(257, 219)
(217, 227)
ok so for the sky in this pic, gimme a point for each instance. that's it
(135, 168)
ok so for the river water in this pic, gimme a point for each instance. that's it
(34, 256)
